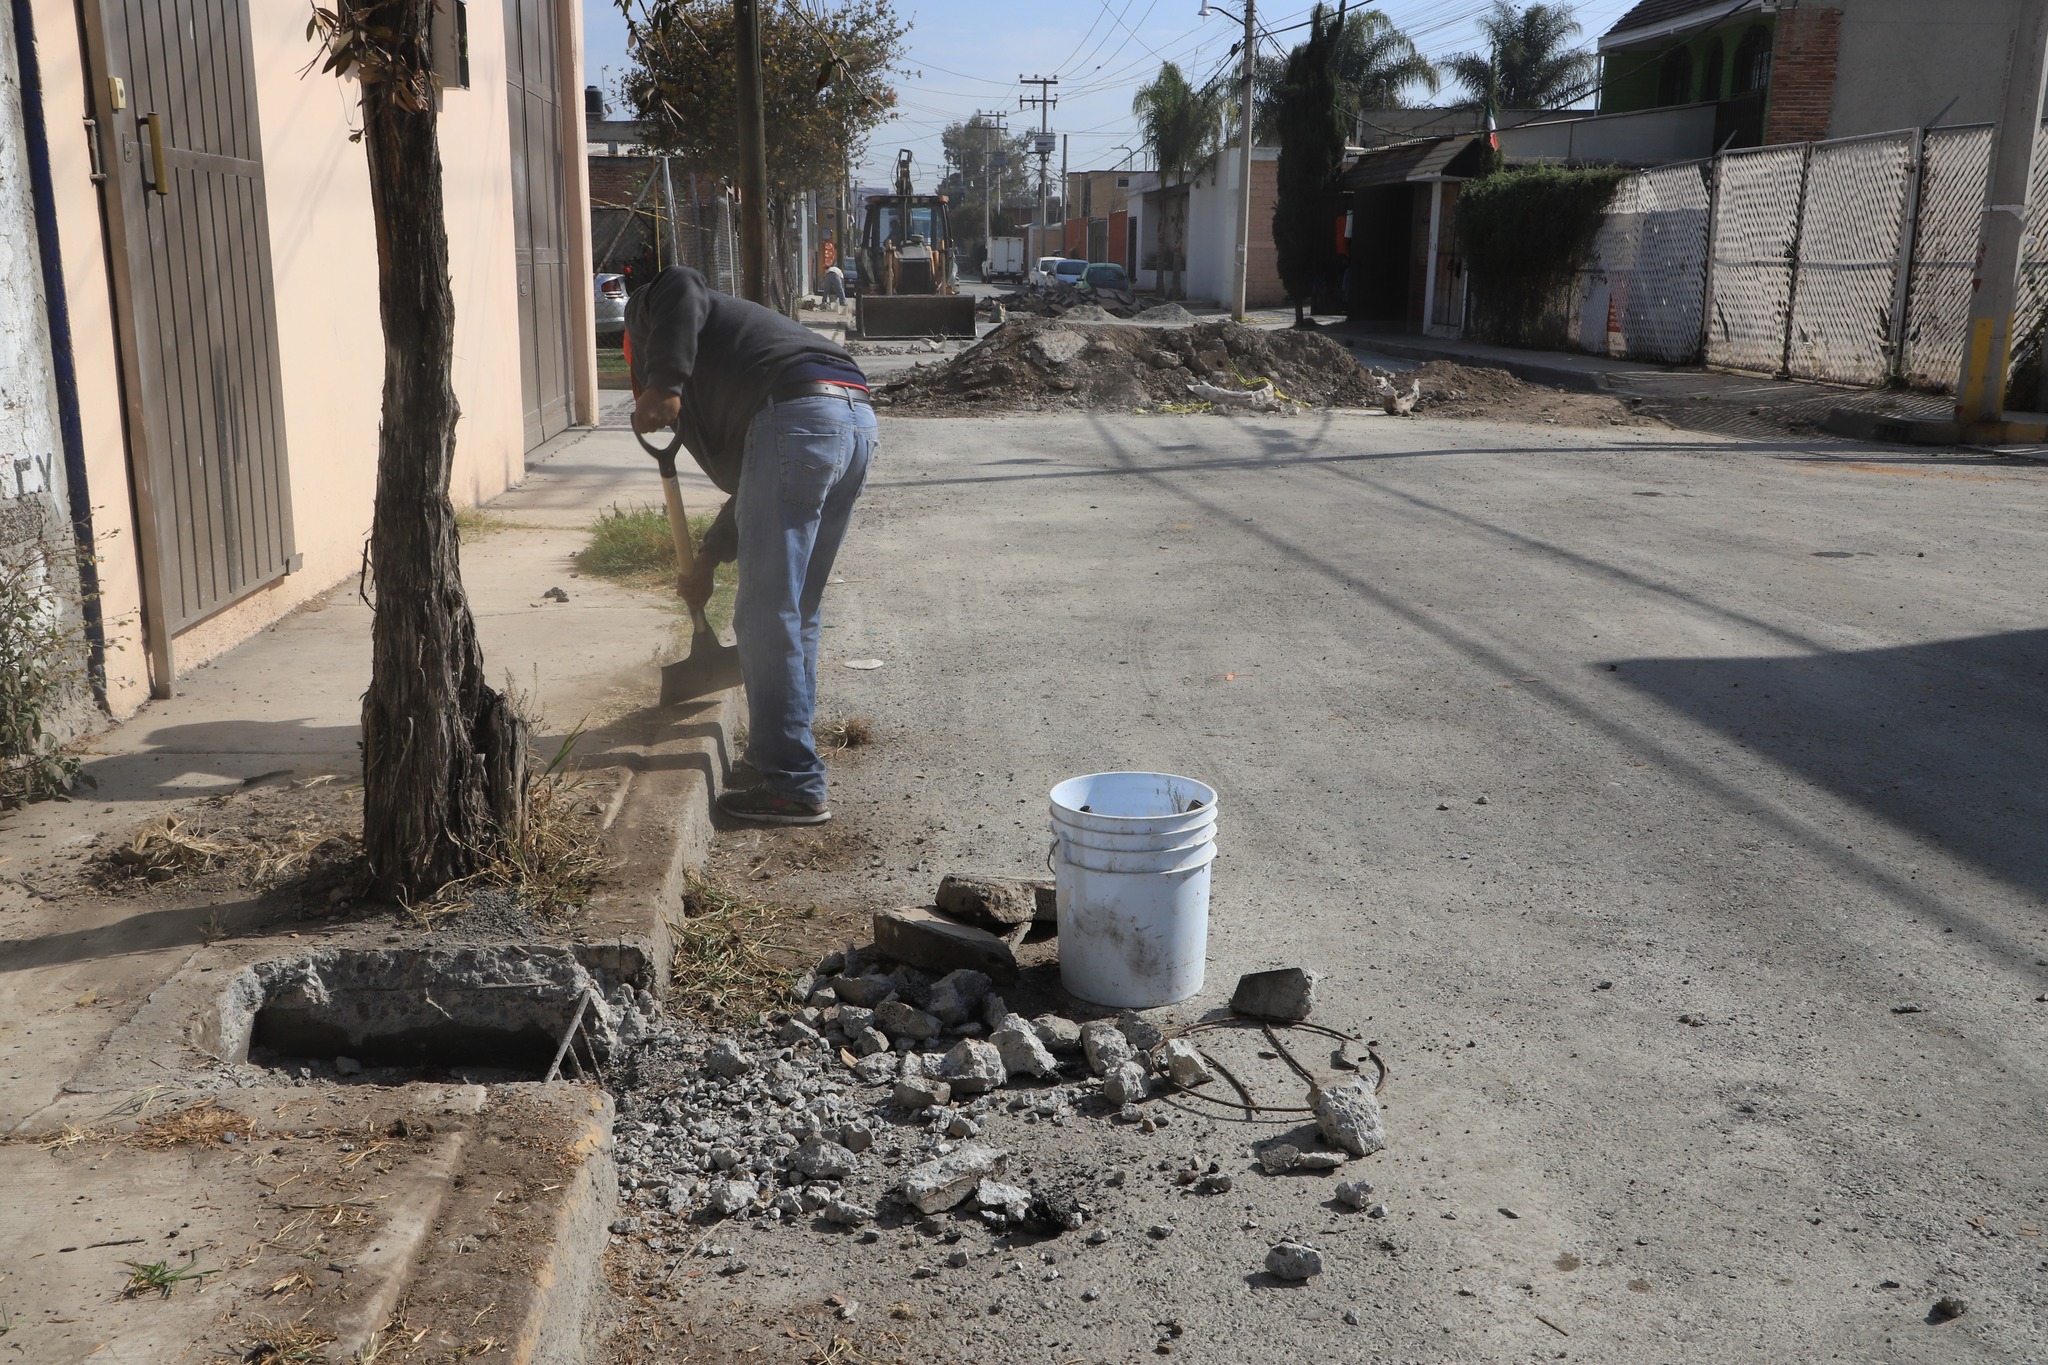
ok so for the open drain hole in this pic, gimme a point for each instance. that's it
(502, 1007)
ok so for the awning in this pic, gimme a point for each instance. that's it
(1450, 158)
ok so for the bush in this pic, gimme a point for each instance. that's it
(40, 666)
(1525, 234)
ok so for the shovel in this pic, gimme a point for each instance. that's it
(711, 667)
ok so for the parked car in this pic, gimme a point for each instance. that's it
(1041, 274)
(611, 306)
(1068, 271)
(1105, 275)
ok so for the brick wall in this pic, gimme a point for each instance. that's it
(1262, 287)
(617, 179)
(1802, 100)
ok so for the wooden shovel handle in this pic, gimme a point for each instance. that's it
(679, 527)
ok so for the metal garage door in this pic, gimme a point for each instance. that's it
(540, 221)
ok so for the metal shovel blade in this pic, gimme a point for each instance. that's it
(711, 667)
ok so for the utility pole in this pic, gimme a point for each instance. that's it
(746, 22)
(1987, 345)
(1066, 192)
(1043, 145)
(1244, 167)
(989, 172)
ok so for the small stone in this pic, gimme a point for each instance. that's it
(1909, 1008)
(974, 1067)
(1349, 1115)
(925, 938)
(817, 1159)
(794, 1031)
(945, 1181)
(725, 1059)
(870, 1041)
(1294, 1261)
(727, 1197)
(994, 1011)
(1288, 994)
(855, 1138)
(1090, 1295)
(1061, 1036)
(864, 991)
(877, 1069)
(917, 1093)
(1159, 1232)
(1320, 1161)
(733, 1267)
(855, 1020)
(899, 1020)
(1280, 1157)
(1022, 1051)
(1106, 1047)
(842, 1214)
(725, 1158)
(1098, 1237)
(1948, 1309)
(347, 1066)
(1130, 1113)
(960, 1126)
(1125, 1084)
(958, 996)
(625, 1227)
(1185, 1065)
(1351, 1318)
(1216, 1182)
(1356, 1193)
(849, 1310)
(957, 1261)
(1008, 1200)
(1376, 1211)
(832, 964)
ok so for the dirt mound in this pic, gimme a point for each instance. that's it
(1171, 313)
(1029, 363)
(1468, 391)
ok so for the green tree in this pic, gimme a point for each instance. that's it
(1531, 63)
(825, 81)
(1178, 121)
(444, 756)
(1310, 118)
(1377, 63)
(971, 147)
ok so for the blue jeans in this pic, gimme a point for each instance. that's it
(806, 462)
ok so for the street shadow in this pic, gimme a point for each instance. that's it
(146, 931)
(1946, 741)
(213, 758)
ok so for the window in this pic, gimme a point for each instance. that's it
(1753, 60)
(1674, 80)
(1710, 75)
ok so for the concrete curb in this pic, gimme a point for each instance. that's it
(1534, 371)
(659, 827)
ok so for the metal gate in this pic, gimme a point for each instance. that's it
(175, 101)
(540, 230)
(1848, 259)
(1956, 167)
(1756, 225)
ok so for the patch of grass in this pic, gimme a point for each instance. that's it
(633, 546)
(202, 1122)
(160, 1277)
(727, 961)
(612, 370)
(474, 523)
(853, 732)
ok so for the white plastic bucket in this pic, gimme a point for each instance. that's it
(1131, 855)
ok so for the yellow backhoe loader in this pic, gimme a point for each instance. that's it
(909, 282)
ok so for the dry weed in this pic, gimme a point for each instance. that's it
(727, 961)
(854, 732)
(202, 1122)
(272, 1343)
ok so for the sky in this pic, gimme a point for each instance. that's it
(965, 56)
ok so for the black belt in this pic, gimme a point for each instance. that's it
(818, 389)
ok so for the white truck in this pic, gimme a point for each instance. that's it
(1005, 259)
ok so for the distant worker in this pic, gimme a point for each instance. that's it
(779, 418)
(835, 287)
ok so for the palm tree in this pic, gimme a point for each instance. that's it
(1532, 65)
(1376, 62)
(1179, 123)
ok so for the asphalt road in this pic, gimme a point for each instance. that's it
(1539, 744)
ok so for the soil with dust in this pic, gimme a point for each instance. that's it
(1471, 391)
(1034, 364)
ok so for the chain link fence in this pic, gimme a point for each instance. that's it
(675, 219)
(1847, 261)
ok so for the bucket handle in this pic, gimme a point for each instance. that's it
(1051, 849)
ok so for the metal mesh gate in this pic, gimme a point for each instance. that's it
(1957, 164)
(2031, 302)
(1756, 225)
(1848, 259)
(1652, 255)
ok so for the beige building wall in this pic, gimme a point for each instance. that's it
(330, 339)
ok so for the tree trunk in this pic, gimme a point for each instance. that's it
(444, 757)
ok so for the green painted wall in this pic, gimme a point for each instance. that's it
(1631, 77)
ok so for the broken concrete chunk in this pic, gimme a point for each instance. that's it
(1046, 902)
(794, 1031)
(997, 903)
(1349, 1115)
(1053, 348)
(870, 1041)
(925, 938)
(865, 991)
(1356, 1194)
(899, 1020)
(728, 1197)
(1105, 1046)
(856, 1138)
(1281, 1156)
(1294, 1261)
(1321, 1161)
(1022, 1052)
(994, 1011)
(1124, 1084)
(817, 1158)
(845, 1215)
(1062, 1037)
(1141, 1035)
(920, 1092)
(876, 1070)
(1009, 1200)
(974, 1067)
(854, 1019)
(944, 1181)
(724, 1058)
(1288, 993)
(1186, 1065)
(957, 996)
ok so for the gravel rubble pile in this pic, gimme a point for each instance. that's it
(1033, 363)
